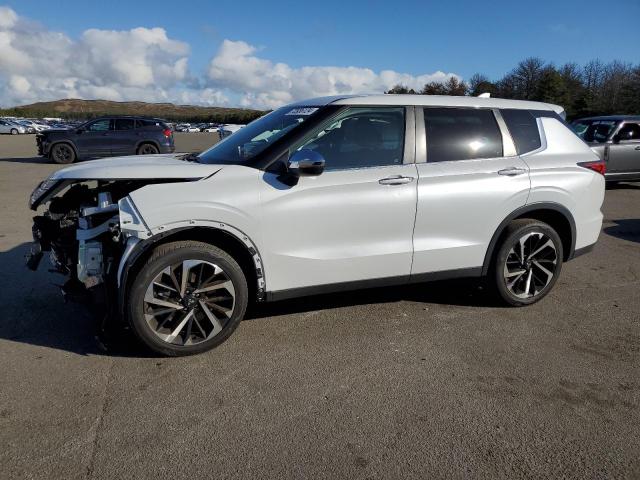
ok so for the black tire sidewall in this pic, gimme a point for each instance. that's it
(58, 146)
(514, 234)
(151, 269)
(14, 131)
(148, 145)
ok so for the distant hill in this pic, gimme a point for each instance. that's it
(73, 108)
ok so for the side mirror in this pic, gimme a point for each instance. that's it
(616, 138)
(79, 131)
(305, 163)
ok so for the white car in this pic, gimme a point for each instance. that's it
(324, 195)
(11, 127)
(226, 130)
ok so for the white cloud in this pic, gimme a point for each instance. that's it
(39, 64)
(266, 84)
(144, 64)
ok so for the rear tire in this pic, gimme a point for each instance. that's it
(147, 149)
(62, 153)
(187, 298)
(14, 131)
(527, 263)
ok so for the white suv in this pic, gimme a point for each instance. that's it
(324, 195)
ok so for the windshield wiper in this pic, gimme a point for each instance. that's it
(191, 157)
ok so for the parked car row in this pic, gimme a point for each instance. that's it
(223, 129)
(16, 126)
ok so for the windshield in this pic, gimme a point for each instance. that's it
(246, 143)
(594, 130)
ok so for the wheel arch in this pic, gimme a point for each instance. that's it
(554, 214)
(227, 238)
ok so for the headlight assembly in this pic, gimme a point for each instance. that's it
(41, 190)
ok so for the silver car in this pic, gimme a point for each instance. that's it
(328, 194)
(616, 140)
(7, 126)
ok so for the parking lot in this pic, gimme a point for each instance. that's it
(429, 381)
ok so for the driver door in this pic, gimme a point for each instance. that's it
(96, 139)
(624, 152)
(353, 224)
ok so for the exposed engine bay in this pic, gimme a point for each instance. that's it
(81, 231)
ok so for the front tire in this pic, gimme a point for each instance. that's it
(528, 262)
(14, 131)
(187, 298)
(62, 153)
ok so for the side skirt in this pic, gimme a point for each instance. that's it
(373, 283)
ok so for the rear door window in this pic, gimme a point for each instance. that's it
(124, 123)
(146, 123)
(461, 134)
(523, 128)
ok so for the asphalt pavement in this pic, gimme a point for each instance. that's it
(428, 381)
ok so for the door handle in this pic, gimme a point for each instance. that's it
(512, 171)
(395, 180)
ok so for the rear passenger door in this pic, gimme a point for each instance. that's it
(124, 136)
(469, 179)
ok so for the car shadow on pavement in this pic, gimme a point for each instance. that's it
(626, 229)
(34, 312)
(462, 292)
(26, 160)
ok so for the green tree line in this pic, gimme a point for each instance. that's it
(595, 88)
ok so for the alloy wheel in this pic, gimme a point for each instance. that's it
(63, 154)
(531, 265)
(148, 150)
(189, 302)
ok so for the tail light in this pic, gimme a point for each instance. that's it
(167, 132)
(599, 166)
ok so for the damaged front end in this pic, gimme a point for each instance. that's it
(86, 205)
(80, 231)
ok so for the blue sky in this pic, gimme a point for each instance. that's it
(414, 38)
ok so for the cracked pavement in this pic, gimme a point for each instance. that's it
(428, 381)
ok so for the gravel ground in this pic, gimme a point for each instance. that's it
(432, 381)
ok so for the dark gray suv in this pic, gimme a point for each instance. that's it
(616, 139)
(106, 137)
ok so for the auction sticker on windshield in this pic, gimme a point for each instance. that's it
(302, 111)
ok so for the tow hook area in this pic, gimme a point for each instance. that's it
(34, 256)
(74, 291)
